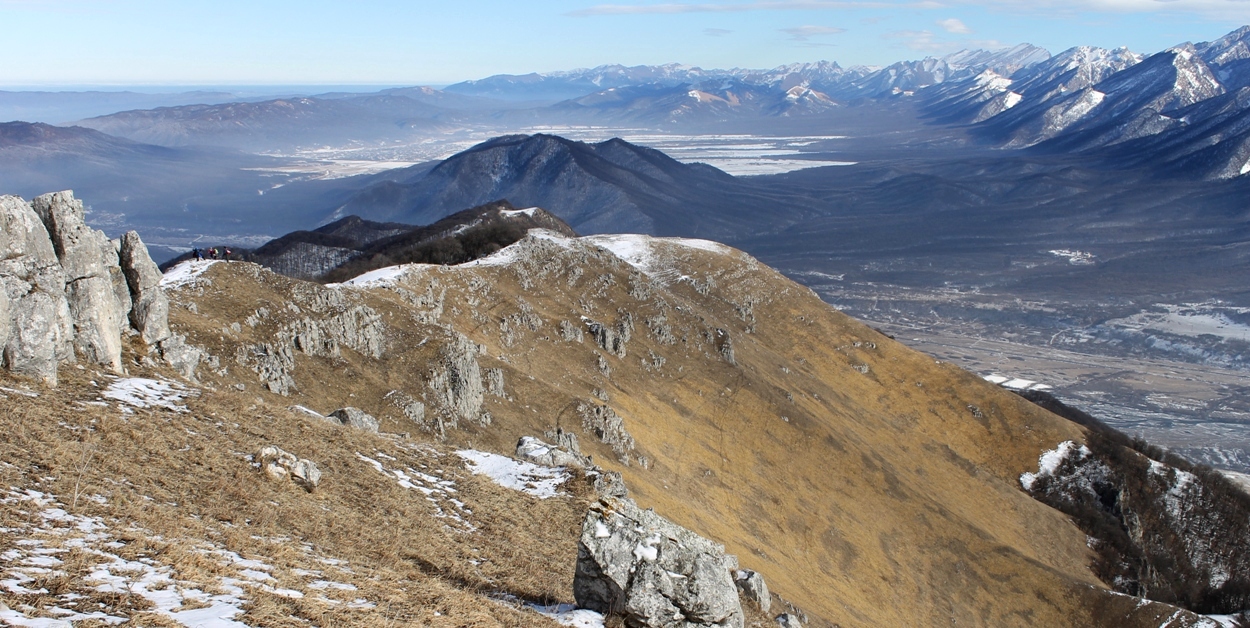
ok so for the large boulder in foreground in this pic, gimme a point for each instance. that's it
(38, 323)
(86, 256)
(635, 563)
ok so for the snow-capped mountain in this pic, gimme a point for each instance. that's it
(906, 77)
(564, 85)
(1133, 102)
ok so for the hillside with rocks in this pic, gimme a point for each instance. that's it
(646, 428)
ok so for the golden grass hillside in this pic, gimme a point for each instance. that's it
(870, 484)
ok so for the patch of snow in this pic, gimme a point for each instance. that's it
(569, 615)
(185, 273)
(388, 276)
(1076, 258)
(322, 585)
(1013, 99)
(996, 379)
(513, 213)
(531, 479)
(308, 411)
(24, 393)
(1049, 462)
(149, 393)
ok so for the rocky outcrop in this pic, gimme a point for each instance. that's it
(150, 310)
(753, 588)
(355, 417)
(536, 451)
(69, 291)
(40, 329)
(634, 563)
(455, 379)
(86, 256)
(280, 465)
(605, 423)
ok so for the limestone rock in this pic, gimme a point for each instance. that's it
(85, 256)
(789, 620)
(180, 355)
(456, 381)
(281, 465)
(610, 484)
(633, 562)
(355, 417)
(6, 322)
(604, 422)
(121, 291)
(150, 311)
(40, 330)
(752, 585)
(538, 452)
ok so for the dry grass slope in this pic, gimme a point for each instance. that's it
(869, 484)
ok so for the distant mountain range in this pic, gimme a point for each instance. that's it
(1179, 111)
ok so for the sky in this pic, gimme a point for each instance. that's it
(62, 43)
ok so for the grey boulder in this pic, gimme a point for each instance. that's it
(40, 330)
(85, 256)
(150, 310)
(634, 563)
(538, 452)
(752, 586)
(279, 465)
(355, 417)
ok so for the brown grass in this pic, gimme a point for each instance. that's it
(869, 484)
(175, 484)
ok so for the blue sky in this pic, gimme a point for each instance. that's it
(194, 42)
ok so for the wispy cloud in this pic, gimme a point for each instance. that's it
(923, 41)
(954, 25)
(738, 7)
(1224, 9)
(716, 32)
(804, 33)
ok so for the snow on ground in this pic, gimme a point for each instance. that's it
(1076, 258)
(388, 276)
(1191, 320)
(149, 393)
(185, 273)
(438, 491)
(57, 532)
(1015, 383)
(644, 253)
(541, 482)
(569, 615)
(513, 213)
(1049, 462)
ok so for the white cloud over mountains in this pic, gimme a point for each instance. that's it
(953, 25)
(804, 33)
(1224, 9)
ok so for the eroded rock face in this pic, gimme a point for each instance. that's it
(281, 465)
(456, 381)
(634, 563)
(85, 256)
(40, 329)
(150, 310)
(538, 452)
(355, 417)
(753, 587)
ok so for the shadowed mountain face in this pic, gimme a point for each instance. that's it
(612, 186)
(352, 246)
